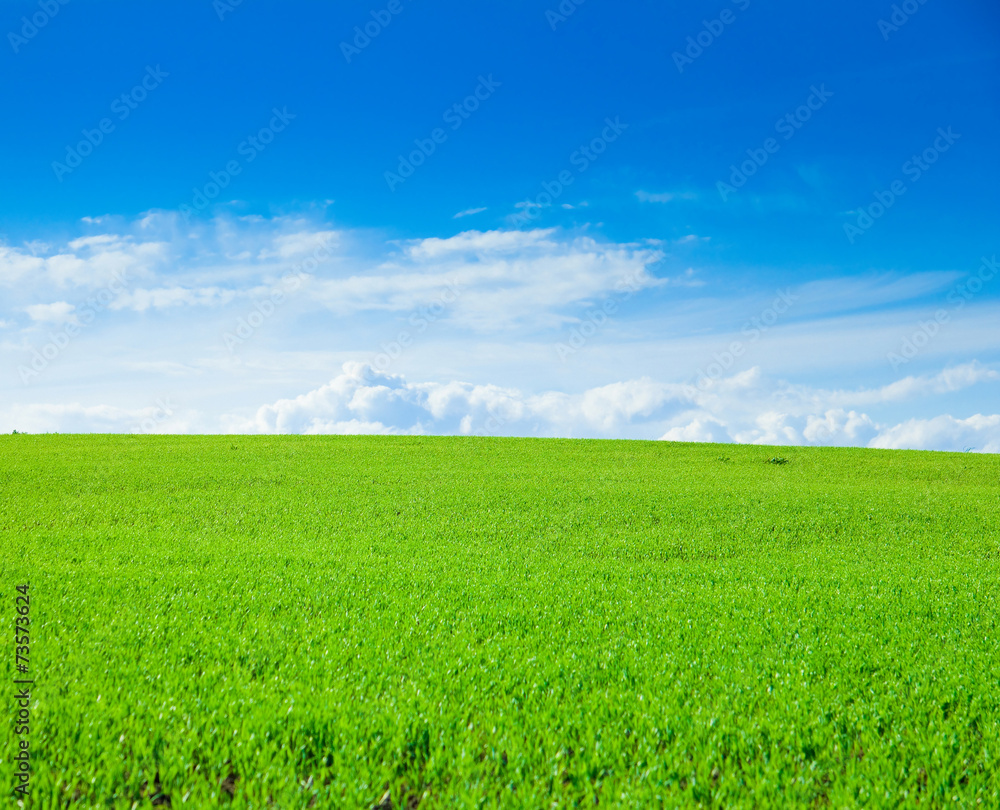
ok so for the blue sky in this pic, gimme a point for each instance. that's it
(729, 221)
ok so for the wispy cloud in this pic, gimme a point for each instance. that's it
(469, 212)
(664, 197)
(506, 278)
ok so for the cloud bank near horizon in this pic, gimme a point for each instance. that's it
(290, 324)
(746, 408)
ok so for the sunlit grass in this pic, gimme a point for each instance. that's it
(310, 621)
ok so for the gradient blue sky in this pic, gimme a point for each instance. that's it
(512, 345)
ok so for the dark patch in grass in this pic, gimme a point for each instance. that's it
(156, 795)
(228, 785)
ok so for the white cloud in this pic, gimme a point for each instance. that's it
(664, 197)
(478, 243)
(58, 312)
(36, 246)
(15, 264)
(504, 278)
(700, 429)
(979, 432)
(360, 395)
(869, 291)
(853, 427)
(754, 410)
(502, 302)
(94, 241)
(744, 408)
(951, 379)
(100, 259)
(142, 299)
(300, 244)
(77, 418)
(468, 212)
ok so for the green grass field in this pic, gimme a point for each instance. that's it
(481, 622)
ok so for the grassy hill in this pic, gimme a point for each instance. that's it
(485, 622)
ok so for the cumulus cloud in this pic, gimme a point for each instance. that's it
(361, 396)
(498, 296)
(744, 408)
(58, 312)
(85, 262)
(979, 432)
(749, 408)
(16, 264)
(699, 429)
